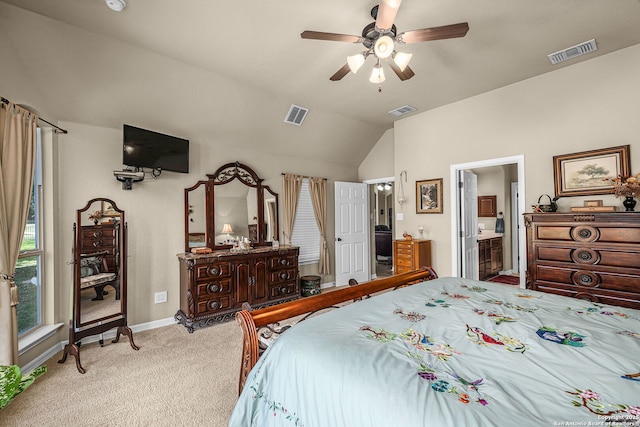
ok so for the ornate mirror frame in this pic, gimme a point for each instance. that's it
(227, 174)
(79, 326)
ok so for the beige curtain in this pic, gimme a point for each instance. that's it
(318, 190)
(291, 185)
(17, 165)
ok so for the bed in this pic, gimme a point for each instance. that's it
(441, 352)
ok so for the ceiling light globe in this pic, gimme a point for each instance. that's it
(377, 75)
(402, 59)
(355, 62)
(383, 48)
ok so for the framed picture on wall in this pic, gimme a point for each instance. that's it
(589, 172)
(429, 196)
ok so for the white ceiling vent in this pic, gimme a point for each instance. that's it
(296, 115)
(400, 111)
(573, 51)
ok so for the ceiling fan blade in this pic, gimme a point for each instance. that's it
(387, 12)
(435, 33)
(318, 35)
(340, 73)
(402, 75)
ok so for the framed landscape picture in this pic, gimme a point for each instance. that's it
(588, 172)
(429, 196)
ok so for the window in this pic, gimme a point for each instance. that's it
(305, 228)
(28, 269)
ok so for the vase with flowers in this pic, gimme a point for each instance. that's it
(627, 187)
(96, 216)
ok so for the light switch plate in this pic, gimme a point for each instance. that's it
(399, 216)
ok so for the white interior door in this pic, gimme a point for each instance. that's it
(515, 225)
(469, 224)
(352, 232)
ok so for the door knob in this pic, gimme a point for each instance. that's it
(339, 239)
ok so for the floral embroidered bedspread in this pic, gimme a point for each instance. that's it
(451, 352)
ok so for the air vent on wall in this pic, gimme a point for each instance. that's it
(402, 110)
(573, 51)
(296, 115)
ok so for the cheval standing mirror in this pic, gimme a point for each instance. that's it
(100, 276)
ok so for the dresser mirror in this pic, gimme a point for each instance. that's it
(232, 203)
(100, 275)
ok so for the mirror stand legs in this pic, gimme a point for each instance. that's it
(125, 330)
(74, 350)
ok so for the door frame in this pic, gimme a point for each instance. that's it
(456, 210)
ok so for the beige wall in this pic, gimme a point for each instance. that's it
(587, 106)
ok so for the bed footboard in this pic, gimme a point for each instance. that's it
(252, 321)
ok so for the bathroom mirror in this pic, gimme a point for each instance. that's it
(100, 275)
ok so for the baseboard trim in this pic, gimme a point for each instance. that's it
(49, 353)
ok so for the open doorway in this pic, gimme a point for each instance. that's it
(463, 218)
(381, 191)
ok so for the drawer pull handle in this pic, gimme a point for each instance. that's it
(585, 256)
(97, 234)
(284, 275)
(213, 271)
(586, 278)
(213, 287)
(214, 305)
(284, 261)
(97, 244)
(284, 290)
(585, 233)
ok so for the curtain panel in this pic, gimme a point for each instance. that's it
(318, 189)
(17, 165)
(291, 185)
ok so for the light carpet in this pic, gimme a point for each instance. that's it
(175, 379)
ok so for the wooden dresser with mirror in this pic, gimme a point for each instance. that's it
(216, 276)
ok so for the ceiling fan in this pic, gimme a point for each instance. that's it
(379, 39)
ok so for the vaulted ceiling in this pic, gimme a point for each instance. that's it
(227, 72)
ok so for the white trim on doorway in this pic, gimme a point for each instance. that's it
(455, 209)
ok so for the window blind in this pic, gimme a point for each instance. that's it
(305, 228)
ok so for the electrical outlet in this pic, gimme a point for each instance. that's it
(160, 297)
(481, 226)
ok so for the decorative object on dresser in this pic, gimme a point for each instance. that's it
(593, 206)
(587, 172)
(627, 187)
(100, 260)
(410, 255)
(429, 196)
(217, 278)
(593, 256)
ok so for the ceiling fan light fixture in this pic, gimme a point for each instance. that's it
(383, 48)
(402, 59)
(355, 62)
(377, 75)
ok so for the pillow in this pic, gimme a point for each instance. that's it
(90, 266)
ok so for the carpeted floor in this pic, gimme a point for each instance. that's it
(506, 279)
(175, 379)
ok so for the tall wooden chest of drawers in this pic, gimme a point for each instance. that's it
(99, 238)
(594, 256)
(214, 286)
(409, 255)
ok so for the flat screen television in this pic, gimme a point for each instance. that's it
(147, 149)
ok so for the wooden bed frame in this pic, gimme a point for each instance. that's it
(265, 321)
